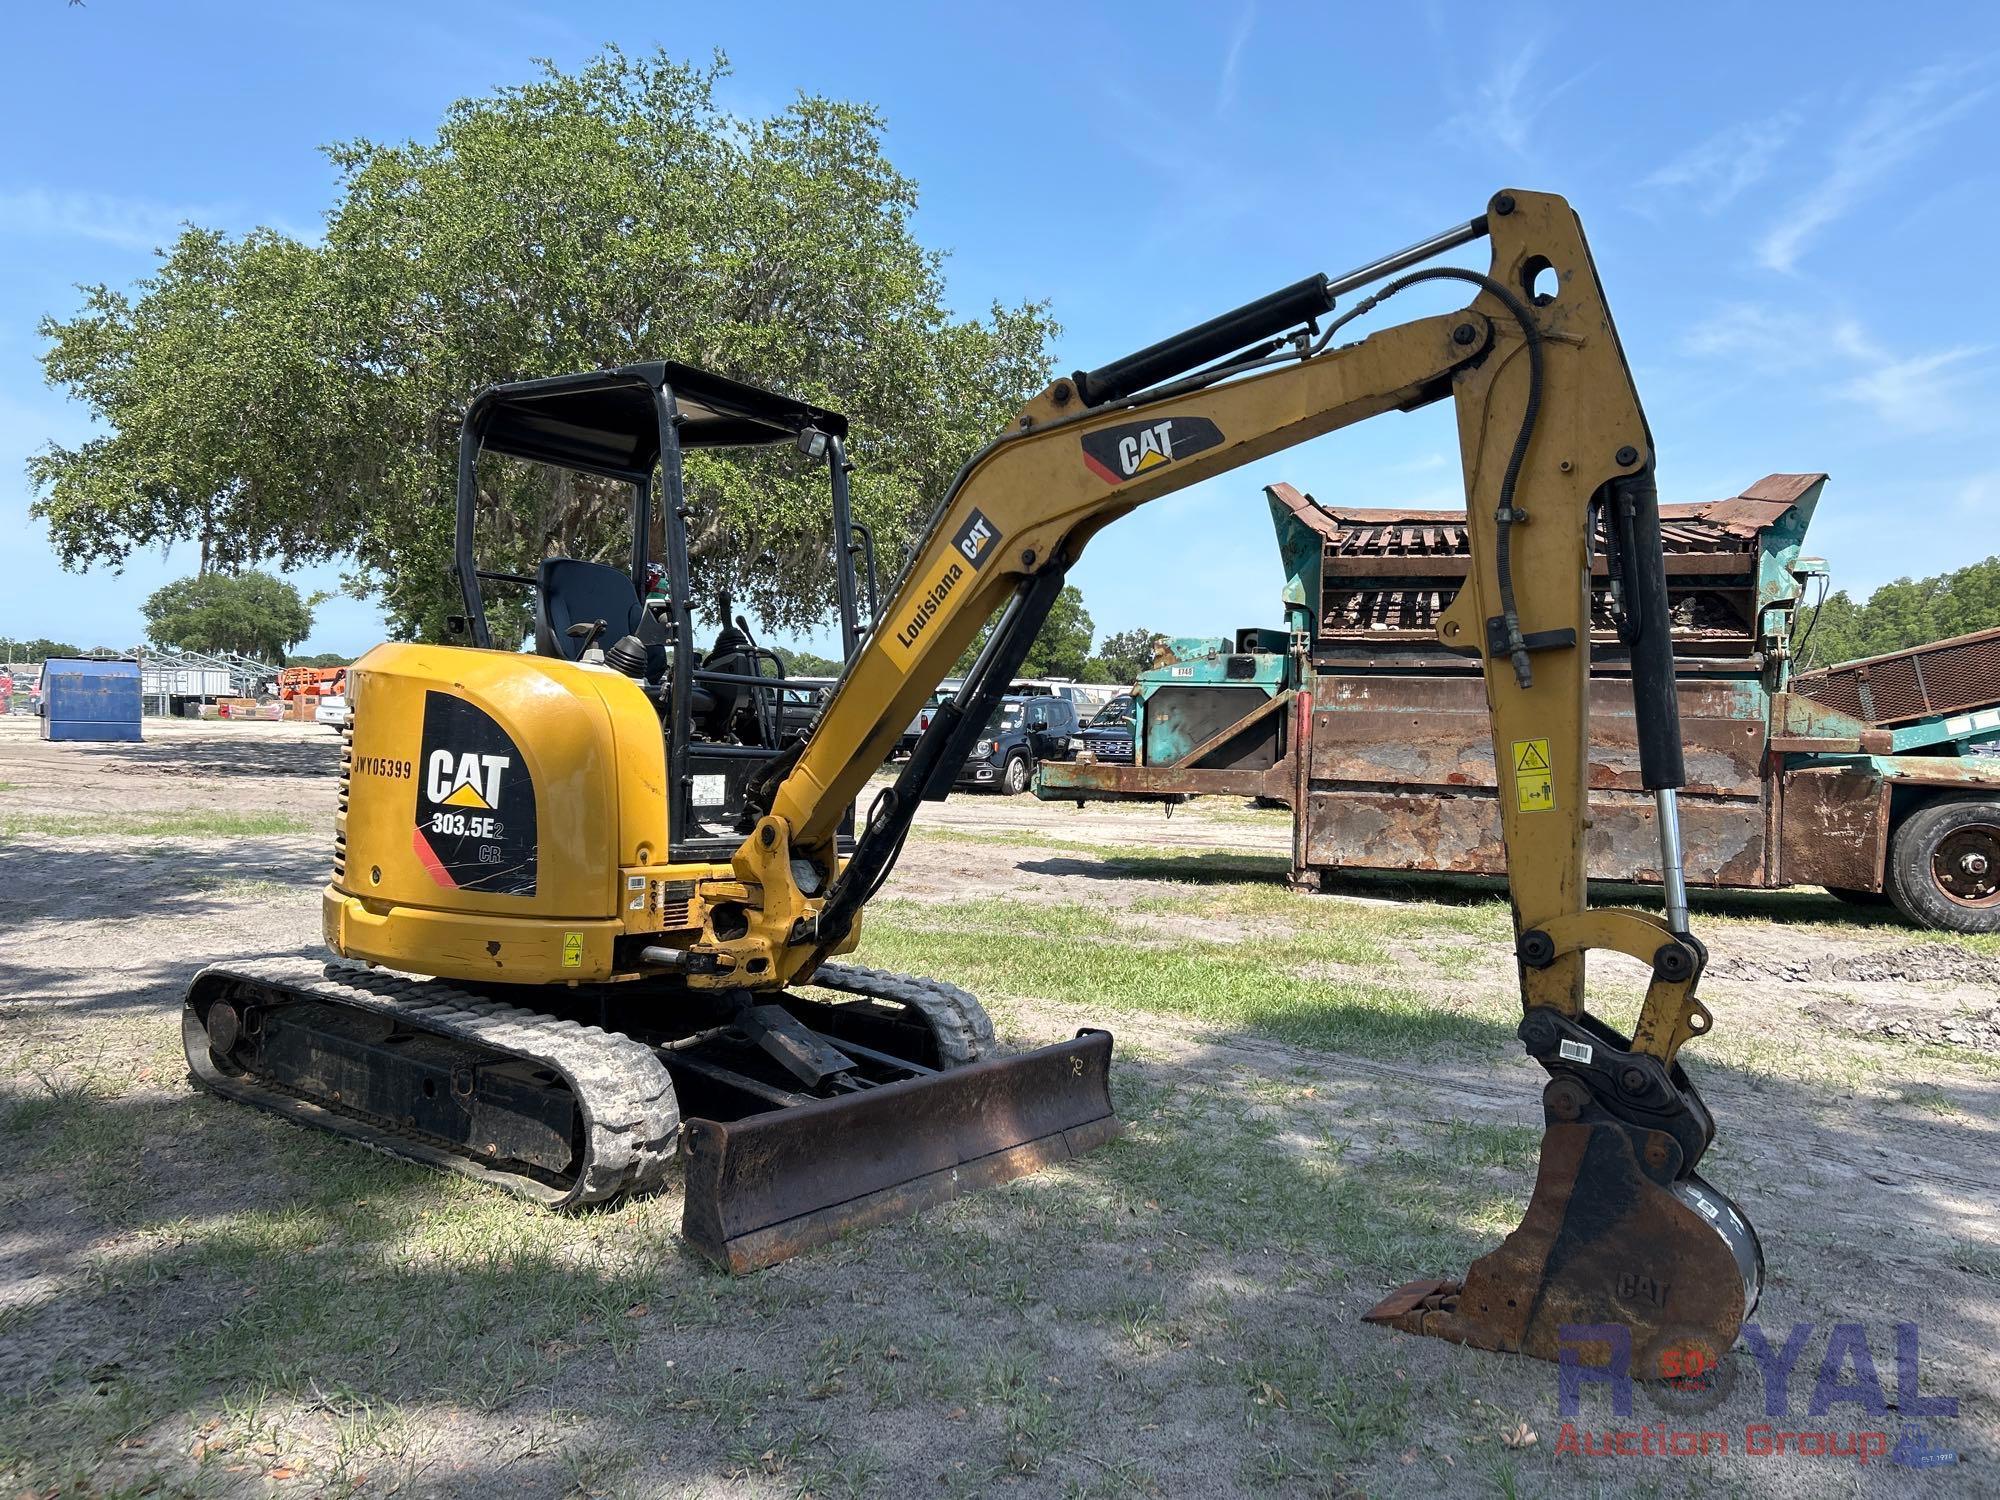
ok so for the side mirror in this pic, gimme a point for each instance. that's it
(812, 442)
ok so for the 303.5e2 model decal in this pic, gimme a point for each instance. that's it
(1116, 454)
(475, 803)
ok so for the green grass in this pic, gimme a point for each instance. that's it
(189, 824)
(1161, 862)
(10, 786)
(1295, 986)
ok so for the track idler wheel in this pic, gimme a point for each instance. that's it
(1617, 1236)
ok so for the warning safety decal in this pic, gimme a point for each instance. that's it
(1534, 781)
(475, 815)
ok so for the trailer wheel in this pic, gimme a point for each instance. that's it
(1944, 866)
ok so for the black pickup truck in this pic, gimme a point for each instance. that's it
(1108, 735)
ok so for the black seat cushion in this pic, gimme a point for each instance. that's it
(570, 591)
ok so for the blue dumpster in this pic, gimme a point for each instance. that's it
(90, 700)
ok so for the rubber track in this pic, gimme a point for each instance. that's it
(963, 1030)
(631, 1118)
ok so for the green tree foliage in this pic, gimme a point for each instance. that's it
(808, 664)
(41, 648)
(321, 659)
(252, 613)
(1061, 646)
(269, 398)
(1124, 655)
(1908, 612)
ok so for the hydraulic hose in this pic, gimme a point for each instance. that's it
(1505, 514)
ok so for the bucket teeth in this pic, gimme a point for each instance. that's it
(1414, 1303)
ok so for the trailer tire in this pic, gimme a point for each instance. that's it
(1944, 865)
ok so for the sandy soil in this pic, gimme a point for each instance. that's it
(1872, 1179)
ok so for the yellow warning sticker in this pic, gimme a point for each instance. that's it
(1534, 781)
(572, 950)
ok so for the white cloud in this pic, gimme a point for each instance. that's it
(1912, 393)
(129, 223)
(1979, 495)
(1499, 108)
(1504, 109)
(1894, 126)
(1232, 60)
(1767, 341)
(1716, 171)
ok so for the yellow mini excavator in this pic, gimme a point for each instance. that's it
(587, 899)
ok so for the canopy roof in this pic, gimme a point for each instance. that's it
(605, 422)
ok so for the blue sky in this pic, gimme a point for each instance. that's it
(1787, 204)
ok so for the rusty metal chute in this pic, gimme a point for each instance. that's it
(1951, 676)
(1386, 574)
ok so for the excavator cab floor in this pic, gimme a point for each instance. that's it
(1612, 1240)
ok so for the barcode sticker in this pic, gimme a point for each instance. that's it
(1577, 1051)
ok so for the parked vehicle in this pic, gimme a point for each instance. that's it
(945, 690)
(1107, 738)
(1022, 733)
(331, 710)
(799, 705)
(1086, 697)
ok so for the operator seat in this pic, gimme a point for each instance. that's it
(570, 591)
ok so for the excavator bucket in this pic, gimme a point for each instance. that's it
(1616, 1235)
(764, 1188)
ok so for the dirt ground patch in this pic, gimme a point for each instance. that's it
(1324, 1099)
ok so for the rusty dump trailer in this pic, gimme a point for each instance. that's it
(1377, 737)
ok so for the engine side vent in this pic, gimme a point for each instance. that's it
(340, 811)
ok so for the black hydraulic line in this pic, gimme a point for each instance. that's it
(867, 545)
(934, 762)
(1799, 651)
(1505, 513)
(1288, 307)
(843, 548)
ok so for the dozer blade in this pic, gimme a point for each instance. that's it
(1611, 1237)
(762, 1189)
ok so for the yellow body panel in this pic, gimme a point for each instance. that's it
(589, 746)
